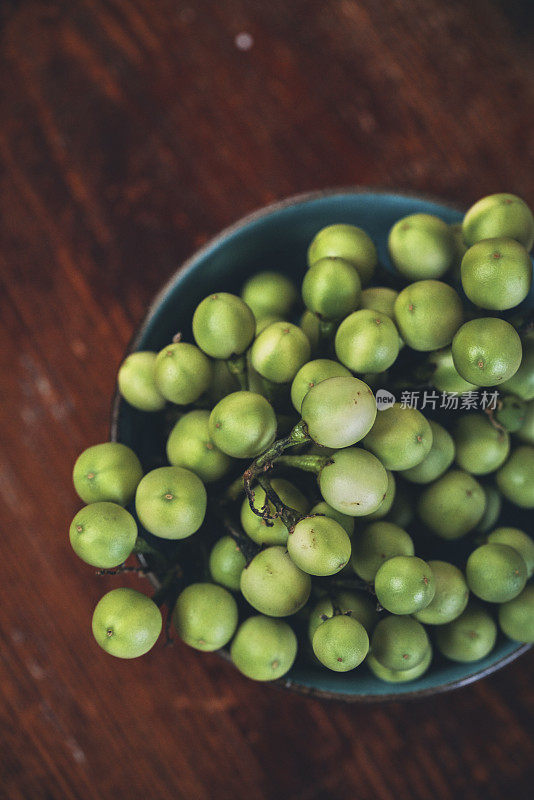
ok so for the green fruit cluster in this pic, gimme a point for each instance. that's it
(289, 511)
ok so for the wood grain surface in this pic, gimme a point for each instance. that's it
(130, 131)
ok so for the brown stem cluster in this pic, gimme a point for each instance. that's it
(263, 463)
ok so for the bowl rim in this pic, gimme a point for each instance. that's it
(153, 307)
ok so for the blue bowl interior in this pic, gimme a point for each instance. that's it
(277, 238)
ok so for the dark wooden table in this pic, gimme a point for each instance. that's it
(130, 131)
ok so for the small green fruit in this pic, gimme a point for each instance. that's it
(205, 616)
(126, 623)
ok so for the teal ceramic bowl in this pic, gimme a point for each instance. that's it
(277, 237)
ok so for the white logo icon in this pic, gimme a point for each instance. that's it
(384, 399)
